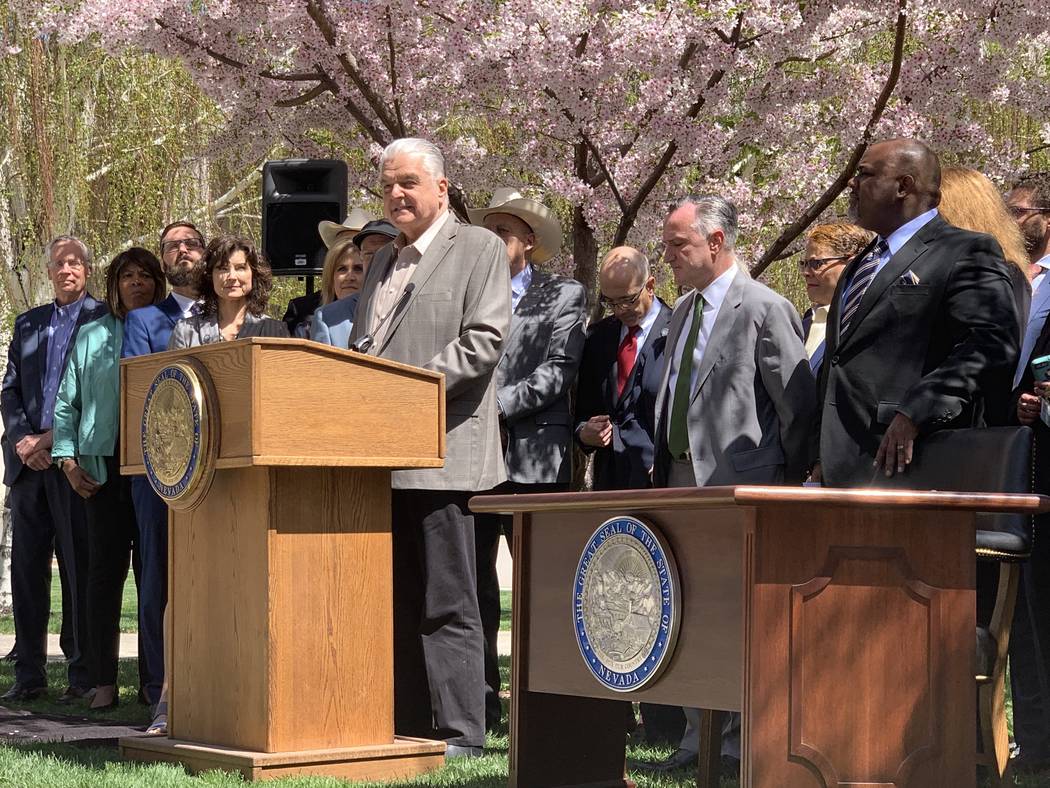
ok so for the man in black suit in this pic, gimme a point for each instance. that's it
(921, 331)
(620, 374)
(46, 515)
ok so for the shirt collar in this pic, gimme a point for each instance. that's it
(820, 313)
(904, 233)
(185, 303)
(646, 323)
(72, 309)
(422, 243)
(1044, 263)
(520, 282)
(715, 293)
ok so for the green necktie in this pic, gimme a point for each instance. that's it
(678, 436)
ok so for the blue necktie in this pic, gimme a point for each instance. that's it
(862, 278)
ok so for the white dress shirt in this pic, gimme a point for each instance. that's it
(185, 303)
(713, 295)
(1044, 265)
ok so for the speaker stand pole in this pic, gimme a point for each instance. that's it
(309, 285)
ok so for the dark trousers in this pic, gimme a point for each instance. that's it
(439, 687)
(151, 514)
(487, 530)
(48, 517)
(112, 540)
(1030, 650)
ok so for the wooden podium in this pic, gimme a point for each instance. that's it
(279, 653)
(841, 623)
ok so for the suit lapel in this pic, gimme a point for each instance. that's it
(528, 301)
(893, 270)
(658, 330)
(425, 268)
(171, 309)
(723, 327)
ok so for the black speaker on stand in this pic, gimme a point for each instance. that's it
(296, 195)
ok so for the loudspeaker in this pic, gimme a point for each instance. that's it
(296, 195)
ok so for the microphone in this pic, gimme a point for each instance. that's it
(364, 344)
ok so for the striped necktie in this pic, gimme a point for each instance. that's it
(862, 277)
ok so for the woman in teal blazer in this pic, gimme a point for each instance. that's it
(87, 419)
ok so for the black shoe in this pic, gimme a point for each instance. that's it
(680, 759)
(730, 767)
(1022, 764)
(76, 693)
(19, 693)
(459, 751)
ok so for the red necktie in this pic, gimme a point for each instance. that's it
(625, 357)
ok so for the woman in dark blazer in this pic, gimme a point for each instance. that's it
(87, 419)
(235, 289)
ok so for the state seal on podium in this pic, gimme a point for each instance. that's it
(178, 435)
(626, 604)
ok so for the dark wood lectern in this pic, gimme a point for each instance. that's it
(279, 652)
(841, 623)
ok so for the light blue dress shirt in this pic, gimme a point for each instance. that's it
(519, 283)
(59, 332)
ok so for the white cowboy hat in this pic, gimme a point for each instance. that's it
(539, 217)
(353, 223)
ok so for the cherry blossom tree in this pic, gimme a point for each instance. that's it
(610, 107)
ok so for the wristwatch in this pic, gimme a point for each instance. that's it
(57, 461)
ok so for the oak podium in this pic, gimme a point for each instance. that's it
(279, 654)
(840, 622)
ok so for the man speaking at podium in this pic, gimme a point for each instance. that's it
(438, 297)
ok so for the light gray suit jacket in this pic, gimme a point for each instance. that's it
(454, 322)
(332, 323)
(199, 330)
(753, 408)
(541, 357)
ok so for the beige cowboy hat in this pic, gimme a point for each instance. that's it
(539, 217)
(353, 223)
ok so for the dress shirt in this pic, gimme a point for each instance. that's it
(1044, 265)
(713, 295)
(186, 304)
(646, 324)
(519, 283)
(818, 329)
(899, 237)
(59, 332)
(408, 257)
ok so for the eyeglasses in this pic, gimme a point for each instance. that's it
(1019, 211)
(814, 263)
(620, 303)
(193, 244)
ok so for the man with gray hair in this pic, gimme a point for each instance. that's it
(438, 297)
(737, 401)
(46, 515)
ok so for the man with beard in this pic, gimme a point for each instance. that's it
(146, 331)
(921, 328)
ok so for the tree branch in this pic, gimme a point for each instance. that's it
(797, 227)
(393, 72)
(315, 10)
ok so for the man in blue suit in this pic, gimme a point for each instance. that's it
(620, 374)
(616, 402)
(147, 330)
(46, 515)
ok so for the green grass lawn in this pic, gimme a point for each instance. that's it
(128, 613)
(58, 765)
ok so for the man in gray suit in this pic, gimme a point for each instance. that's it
(438, 297)
(737, 401)
(541, 357)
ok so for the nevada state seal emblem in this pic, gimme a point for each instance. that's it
(178, 447)
(626, 604)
